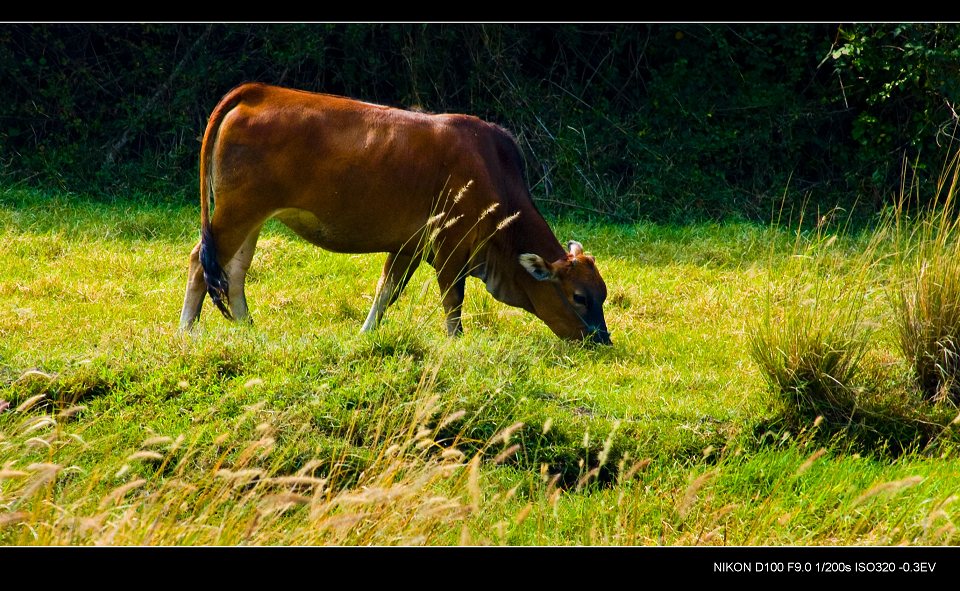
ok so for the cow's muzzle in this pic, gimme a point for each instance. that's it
(600, 336)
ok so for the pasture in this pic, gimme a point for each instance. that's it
(298, 430)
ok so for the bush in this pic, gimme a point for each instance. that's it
(661, 121)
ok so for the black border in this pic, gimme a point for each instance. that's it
(506, 566)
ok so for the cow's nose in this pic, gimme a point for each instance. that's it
(601, 337)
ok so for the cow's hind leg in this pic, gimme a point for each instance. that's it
(236, 271)
(196, 290)
(397, 271)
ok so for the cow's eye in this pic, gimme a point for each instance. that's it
(580, 299)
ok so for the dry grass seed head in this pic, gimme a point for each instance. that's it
(892, 487)
(809, 461)
(692, 491)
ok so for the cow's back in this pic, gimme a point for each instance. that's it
(347, 175)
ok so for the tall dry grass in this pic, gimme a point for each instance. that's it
(821, 340)
(927, 294)
(171, 491)
(814, 329)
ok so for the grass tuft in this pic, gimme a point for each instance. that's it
(927, 298)
(813, 332)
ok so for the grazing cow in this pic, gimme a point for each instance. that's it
(355, 177)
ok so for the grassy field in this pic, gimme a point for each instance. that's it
(298, 430)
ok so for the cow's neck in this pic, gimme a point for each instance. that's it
(505, 279)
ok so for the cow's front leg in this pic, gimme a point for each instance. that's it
(397, 271)
(452, 290)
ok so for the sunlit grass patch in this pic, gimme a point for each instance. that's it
(299, 430)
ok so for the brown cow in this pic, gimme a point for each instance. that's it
(355, 177)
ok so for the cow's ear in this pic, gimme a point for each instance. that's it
(575, 247)
(536, 266)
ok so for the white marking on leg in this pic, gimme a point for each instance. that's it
(236, 271)
(238, 299)
(192, 301)
(194, 293)
(380, 302)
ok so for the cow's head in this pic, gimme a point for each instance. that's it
(576, 312)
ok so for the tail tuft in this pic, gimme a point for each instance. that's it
(217, 284)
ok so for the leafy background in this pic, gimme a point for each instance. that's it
(675, 122)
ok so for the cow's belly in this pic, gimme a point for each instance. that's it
(345, 235)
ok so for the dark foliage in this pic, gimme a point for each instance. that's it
(627, 121)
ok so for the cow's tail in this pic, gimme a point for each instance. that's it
(218, 286)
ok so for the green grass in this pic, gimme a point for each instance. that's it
(927, 297)
(300, 430)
